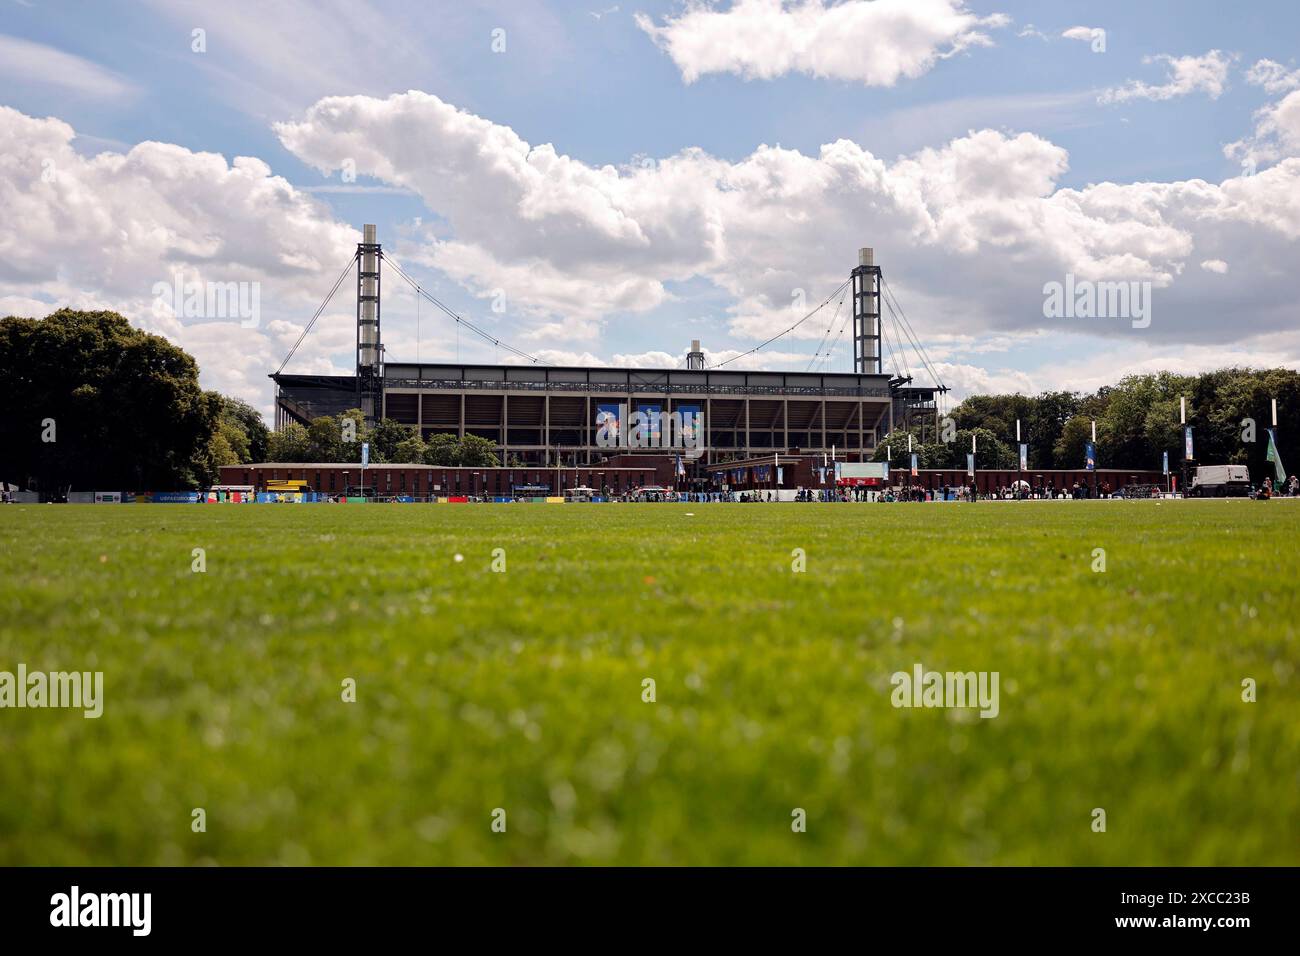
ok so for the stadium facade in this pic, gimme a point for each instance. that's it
(542, 415)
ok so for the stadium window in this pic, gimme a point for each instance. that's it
(332, 479)
(401, 481)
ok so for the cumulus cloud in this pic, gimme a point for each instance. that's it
(103, 232)
(875, 43)
(1276, 134)
(1185, 75)
(970, 230)
(1215, 265)
(1273, 76)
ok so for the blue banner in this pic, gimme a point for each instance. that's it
(365, 453)
(175, 497)
(607, 423)
(970, 464)
(1090, 456)
(1166, 463)
(1024, 457)
(1187, 443)
(690, 425)
(651, 433)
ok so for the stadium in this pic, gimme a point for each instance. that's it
(767, 431)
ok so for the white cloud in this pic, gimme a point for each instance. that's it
(1276, 134)
(1086, 34)
(969, 231)
(876, 43)
(1215, 265)
(100, 232)
(1273, 76)
(22, 61)
(1186, 74)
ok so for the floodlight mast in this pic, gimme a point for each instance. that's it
(369, 345)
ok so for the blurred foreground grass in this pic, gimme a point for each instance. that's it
(523, 690)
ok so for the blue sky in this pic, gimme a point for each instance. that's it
(604, 92)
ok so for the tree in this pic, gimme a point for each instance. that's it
(240, 436)
(325, 441)
(92, 402)
(476, 452)
(441, 449)
(236, 411)
(386, 436)
(410, 450)
(1068, 452)
(290, 444)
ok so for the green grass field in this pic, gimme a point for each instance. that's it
(522, 690)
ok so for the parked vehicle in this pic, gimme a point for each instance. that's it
(1220, 481)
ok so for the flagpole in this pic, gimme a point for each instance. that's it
(1094, 458)
(974, 493)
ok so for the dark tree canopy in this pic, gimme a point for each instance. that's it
(1137, 420)
(93, 403)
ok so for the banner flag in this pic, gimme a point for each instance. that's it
(1187, 443)
(365, 453)
(1090, 454)
(1166, 463)
(970, 465)
(608, 425)
(913, 465)
(1024, 456)
(1275, 458)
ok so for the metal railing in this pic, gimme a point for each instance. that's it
(625, 388)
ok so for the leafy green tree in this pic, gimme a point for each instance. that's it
(1069, 450)
(290, 444)
(410, 450)
(236, 411)
(325, 441)
(476, 452)
(92, 402)
(386, 436)
(441, 449)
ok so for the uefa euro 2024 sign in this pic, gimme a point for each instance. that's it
(680, 430)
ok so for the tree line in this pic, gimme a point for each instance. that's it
(338, 438)
(1137, 421)
(92, 403)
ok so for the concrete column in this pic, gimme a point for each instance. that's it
(747, 428)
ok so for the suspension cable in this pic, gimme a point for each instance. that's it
(337, 282)
(486, 336)
(838, 289)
